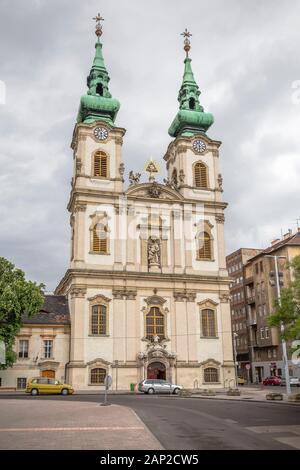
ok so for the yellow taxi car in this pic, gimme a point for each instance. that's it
(241, 380)
(43, 385)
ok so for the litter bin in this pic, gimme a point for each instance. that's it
(132, 387)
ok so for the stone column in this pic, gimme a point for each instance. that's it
(177, 237)
(226, 338)
(188, 243)
(131, 240)
(192, 318)
(220, 219)
(118, 325)
(78, 315)
(118, 162)
(130, 351)
(181, 326)
(79, 232)
(118, 239)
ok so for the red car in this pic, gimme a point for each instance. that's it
(273, 380)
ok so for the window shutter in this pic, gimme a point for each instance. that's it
(200, 171)
(204, 251)
(100, 164)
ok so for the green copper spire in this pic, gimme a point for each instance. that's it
(191, 118)
(98, 104)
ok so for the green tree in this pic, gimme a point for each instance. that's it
(288, 310)
(17, 296)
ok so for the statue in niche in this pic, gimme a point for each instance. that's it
(153, 252)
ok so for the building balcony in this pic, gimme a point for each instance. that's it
(253, 343)
(248, 280)
(250, 300)
(252, 321)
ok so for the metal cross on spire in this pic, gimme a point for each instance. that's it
(98, 27)
(187, 43)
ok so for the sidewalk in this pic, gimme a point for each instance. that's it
(71, 425)
(250, 394)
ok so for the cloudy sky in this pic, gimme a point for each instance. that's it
(245, 59)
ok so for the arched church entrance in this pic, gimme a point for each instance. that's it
(156, 370)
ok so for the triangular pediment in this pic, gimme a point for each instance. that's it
(154, 191)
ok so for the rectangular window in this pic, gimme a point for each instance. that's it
(256, 268)
(274, 352)
(0, 382)
(261, 267)
(48, 348)
(262, 333)
(267, 332)
(208, 323)
(269, 353)
(23, 348)
(21, 382)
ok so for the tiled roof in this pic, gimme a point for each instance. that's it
(292, 240)
(55, 311)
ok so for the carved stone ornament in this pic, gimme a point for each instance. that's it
(121, 169)
(169, 183)
(155, 300)
(181, 176)
(134, 178)
(154, 190)
(123, 293)
(189, 296)
(224, 298)
(78, 292)
(80, 208)
(220, 218)
(220, 182)
(154, 252)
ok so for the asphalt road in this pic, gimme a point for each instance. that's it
(193, 423)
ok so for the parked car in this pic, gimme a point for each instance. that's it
(43, 385)
(241, 381)
(294, 381)
(151, 386)
(272, 380)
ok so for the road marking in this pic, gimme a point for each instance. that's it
(96, 428)
(294, 428)
(290, 441)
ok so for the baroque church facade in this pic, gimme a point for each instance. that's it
(147, 286)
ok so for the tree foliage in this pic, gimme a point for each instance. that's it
(17, 296)
(288, 310)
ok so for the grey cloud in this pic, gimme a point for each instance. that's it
(244, 59)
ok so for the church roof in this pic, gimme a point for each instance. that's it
(55, 311)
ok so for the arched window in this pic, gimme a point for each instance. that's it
(192, 103)
(155, 324)
(204, 246)
(100, 167)
(200, 175)
(211, 374)
(98, 376)
(99, 89)
(208, 323)
(100, 239)
(99, 320)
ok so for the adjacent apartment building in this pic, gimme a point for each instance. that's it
(253, 292)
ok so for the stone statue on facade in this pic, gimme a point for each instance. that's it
(134, 178)
(153, 252)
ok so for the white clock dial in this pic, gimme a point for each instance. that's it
(100, 133)
(199, 146)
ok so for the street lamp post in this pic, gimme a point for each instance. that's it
(283, 342)
(235, 335)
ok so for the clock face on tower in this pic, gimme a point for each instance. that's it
(100, 133)
(199, 146)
